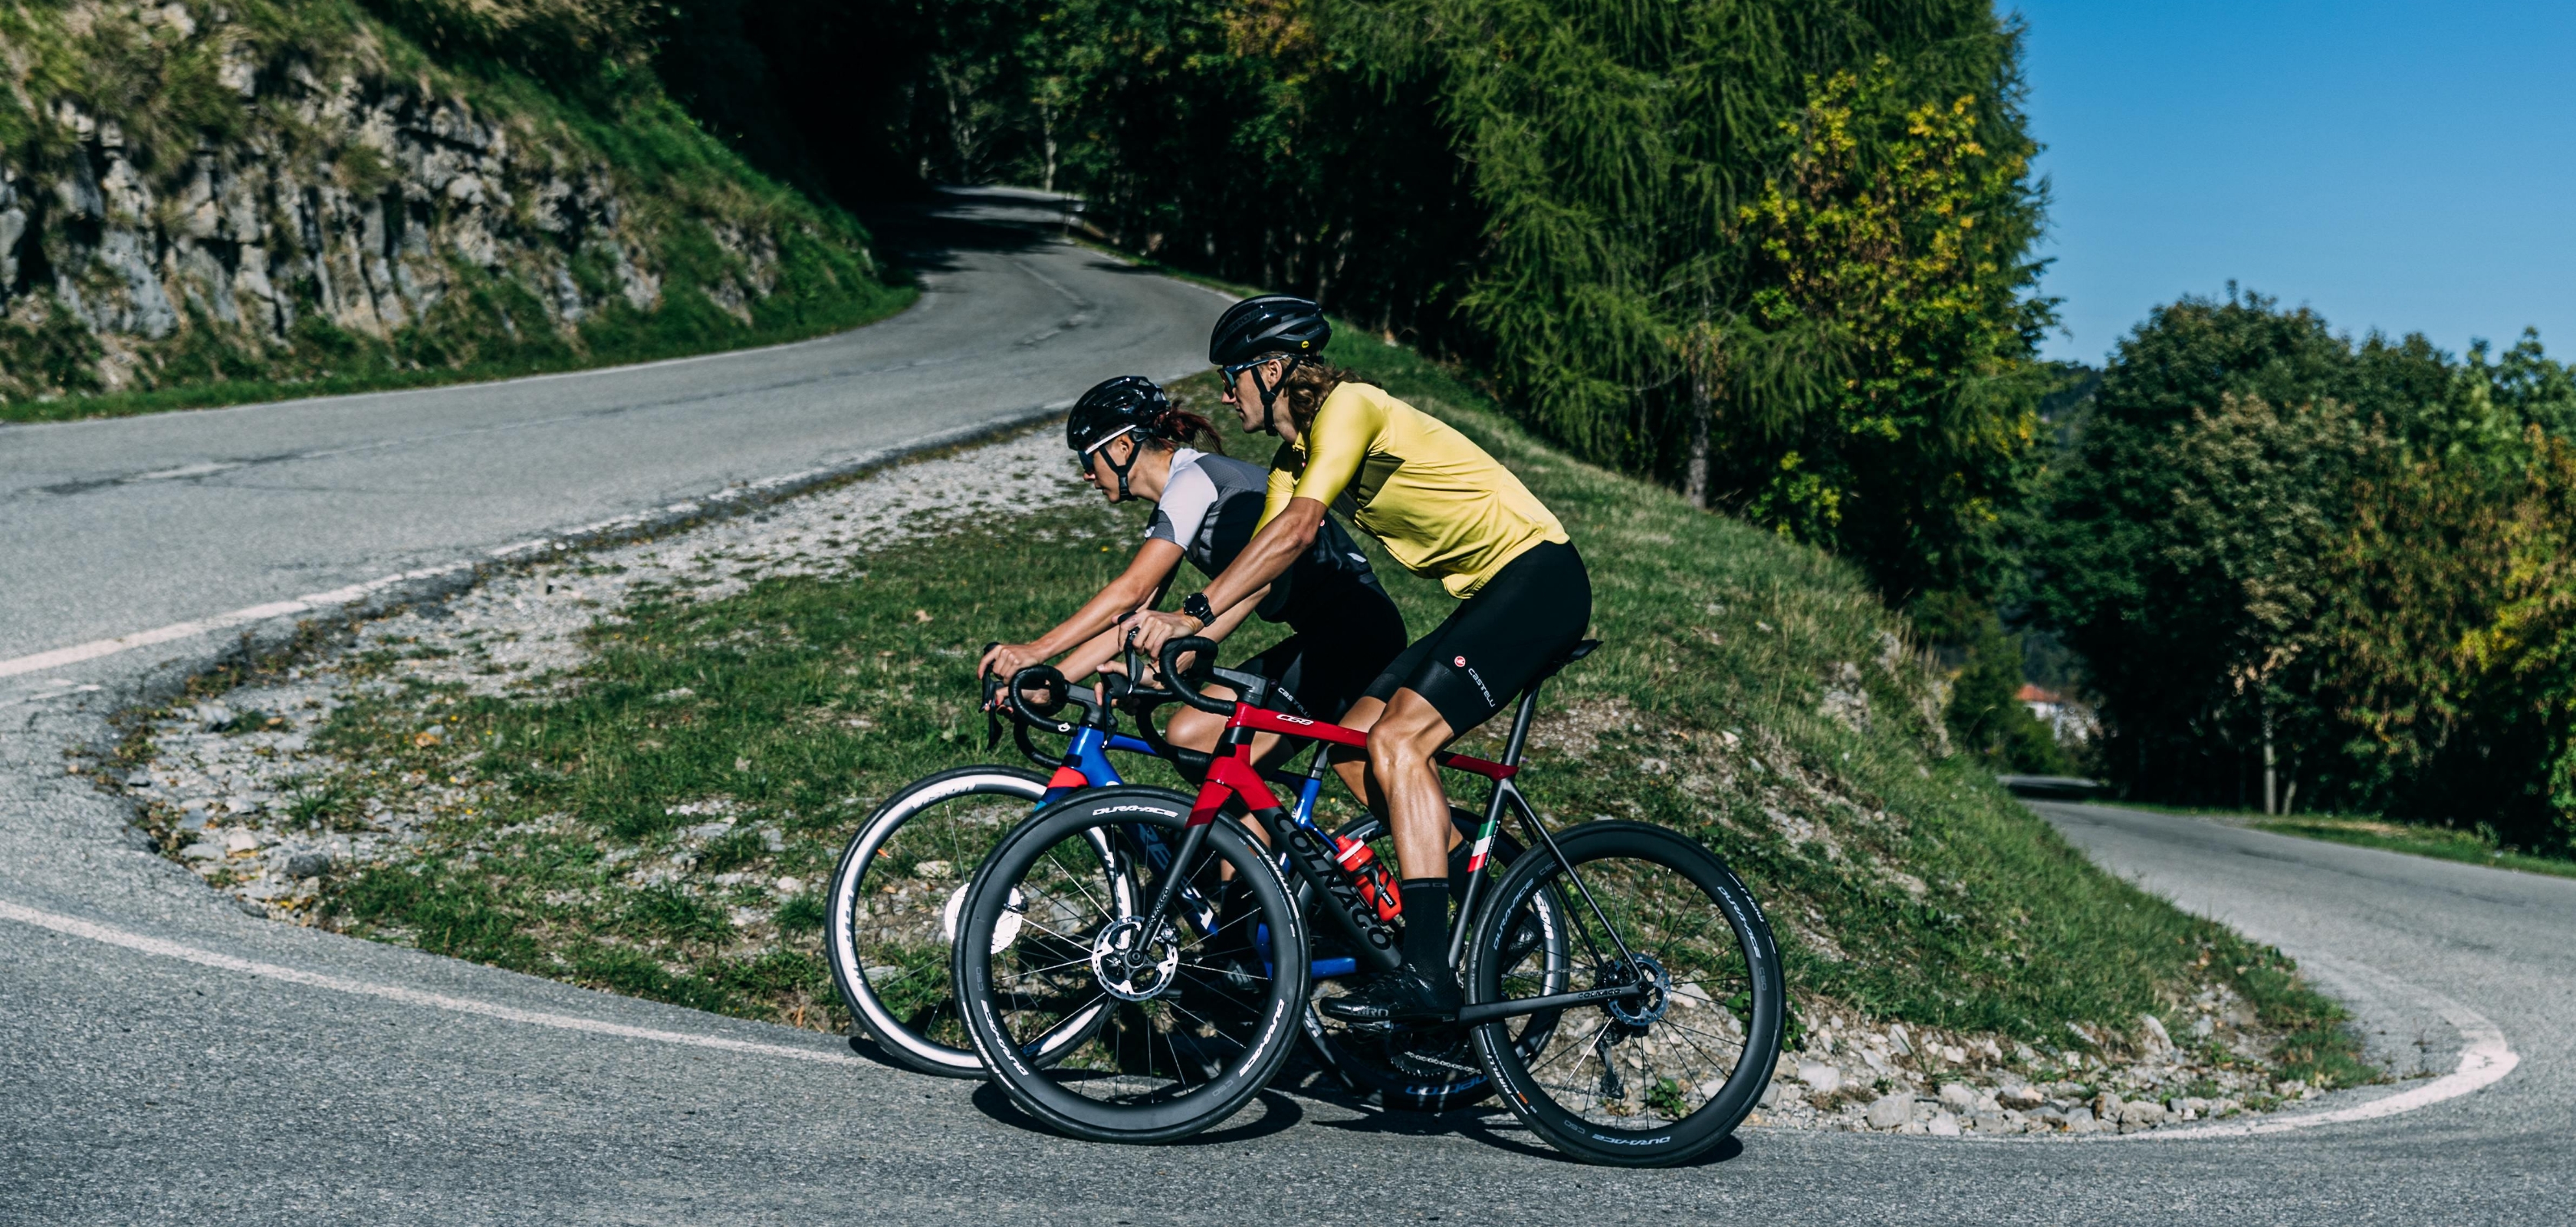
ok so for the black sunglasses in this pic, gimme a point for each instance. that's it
(1234, 374)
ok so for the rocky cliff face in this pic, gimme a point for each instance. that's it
(290, 203)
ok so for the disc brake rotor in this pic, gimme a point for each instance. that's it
(1648, 1006)
(1131, 968)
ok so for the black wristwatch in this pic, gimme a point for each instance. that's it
(1196, 606)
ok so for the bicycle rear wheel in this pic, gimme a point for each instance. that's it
(1650, 1079)
(1187, 1032)
(894, 903)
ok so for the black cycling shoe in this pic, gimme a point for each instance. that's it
(1404, 995)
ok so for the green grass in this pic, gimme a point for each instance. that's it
(1906, 885)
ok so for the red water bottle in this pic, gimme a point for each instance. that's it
(1376, 885)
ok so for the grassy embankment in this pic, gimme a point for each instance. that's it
(1752, 692)
(673, 179)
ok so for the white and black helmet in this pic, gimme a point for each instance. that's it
(1128, 404)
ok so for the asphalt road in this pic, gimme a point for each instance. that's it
(165, 1058)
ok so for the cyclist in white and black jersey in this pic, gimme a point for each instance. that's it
(1127, 437)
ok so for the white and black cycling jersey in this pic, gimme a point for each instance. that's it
(1209, 508)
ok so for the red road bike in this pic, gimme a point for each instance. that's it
(1622, 989)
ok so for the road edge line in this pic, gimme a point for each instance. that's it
(2485, 1058)
(72, 926)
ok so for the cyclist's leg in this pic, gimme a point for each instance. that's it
(1192, 729)
(1283, 663)
(1454, 680)
(1457, 678)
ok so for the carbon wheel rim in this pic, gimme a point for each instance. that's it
(890, 923)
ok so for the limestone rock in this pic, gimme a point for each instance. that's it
(1891, 1110)
(1821, 1078)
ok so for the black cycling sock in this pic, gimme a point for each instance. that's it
(1426, 923)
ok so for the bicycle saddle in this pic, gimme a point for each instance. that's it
(1580, 650)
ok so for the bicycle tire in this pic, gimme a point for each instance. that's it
(1685, 918)
(1219, 1043)
(890, 1010)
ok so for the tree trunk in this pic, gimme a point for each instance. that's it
(1046, 138)
(2270, 771)
(1695, 474)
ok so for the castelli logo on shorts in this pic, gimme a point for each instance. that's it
(1461, 662)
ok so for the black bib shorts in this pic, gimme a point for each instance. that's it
(1534, 610)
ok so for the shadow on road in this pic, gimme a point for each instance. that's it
(927, 236)
(867, 1049)
(1488, 1123)
(1279, 1113)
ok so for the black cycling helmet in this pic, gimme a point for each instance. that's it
(1129, 404)
(1272, 325)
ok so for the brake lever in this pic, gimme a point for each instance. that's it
(992, 713)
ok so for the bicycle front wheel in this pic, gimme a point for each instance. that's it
(1663, 1072)
(894, 904)
(1105, 1031)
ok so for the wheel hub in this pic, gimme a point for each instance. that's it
(1131, 967)
(1648, 1006)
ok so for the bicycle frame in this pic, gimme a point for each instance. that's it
(1234, 779)
(1085, 764)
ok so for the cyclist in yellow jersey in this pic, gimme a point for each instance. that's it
(1442, 506)
(1444, 509)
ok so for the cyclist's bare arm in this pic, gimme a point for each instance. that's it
(1269, 554)
(1105, 647)
(1138, 587)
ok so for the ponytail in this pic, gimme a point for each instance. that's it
(1177, 426)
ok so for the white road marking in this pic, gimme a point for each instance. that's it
(96, 648)
(202, 469)
(74, 927)
(2485, 1058)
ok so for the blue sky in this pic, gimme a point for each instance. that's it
(2405, 167)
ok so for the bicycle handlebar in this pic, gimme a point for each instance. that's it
(1056, 692)
(1182, 687)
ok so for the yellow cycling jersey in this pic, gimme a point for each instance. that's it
(1443, 507)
